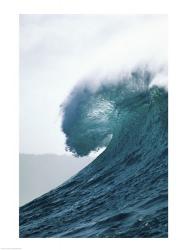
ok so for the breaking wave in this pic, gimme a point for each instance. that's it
(123, 192)
(92, 117)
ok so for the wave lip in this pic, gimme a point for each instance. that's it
(92, 117)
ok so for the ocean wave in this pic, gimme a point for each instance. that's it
(123, 192)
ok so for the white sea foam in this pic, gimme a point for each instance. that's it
(142, 44)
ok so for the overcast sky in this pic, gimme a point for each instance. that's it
(57, 51)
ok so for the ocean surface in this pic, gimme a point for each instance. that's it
(123, 193)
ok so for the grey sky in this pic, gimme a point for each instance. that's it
(40, 173)
(56, 51)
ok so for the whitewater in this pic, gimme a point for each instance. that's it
(124, 191)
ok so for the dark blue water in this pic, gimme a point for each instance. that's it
(124, 192)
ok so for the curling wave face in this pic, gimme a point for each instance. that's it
(123, 192)
(93, 117)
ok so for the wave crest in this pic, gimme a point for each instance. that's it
(92, 117)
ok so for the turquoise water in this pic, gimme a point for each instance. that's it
(124, 191)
